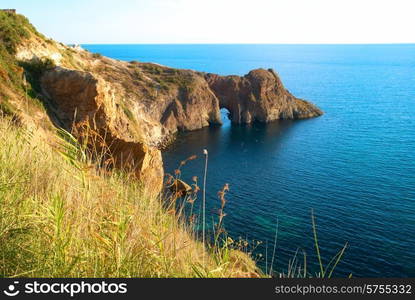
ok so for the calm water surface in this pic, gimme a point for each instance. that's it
(354, 166)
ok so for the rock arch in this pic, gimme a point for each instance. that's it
(258, 96)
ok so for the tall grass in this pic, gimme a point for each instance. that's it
(62, 216)
(298, 269)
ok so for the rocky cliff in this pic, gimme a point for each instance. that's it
(139, 106)
(150, 102)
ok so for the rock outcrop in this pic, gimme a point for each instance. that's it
(81, 102)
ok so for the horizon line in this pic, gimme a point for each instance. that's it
(218, 43)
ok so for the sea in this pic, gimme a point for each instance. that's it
(353, 168)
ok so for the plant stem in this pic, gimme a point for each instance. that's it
(205, 152)
(316, 244)
(275, 245)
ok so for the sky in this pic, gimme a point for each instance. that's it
(221, 21)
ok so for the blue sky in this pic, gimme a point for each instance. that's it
(221, 21)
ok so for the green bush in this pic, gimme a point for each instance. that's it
(38, 66)
(13, 29)
(34, 70)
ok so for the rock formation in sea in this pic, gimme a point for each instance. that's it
(258, 96)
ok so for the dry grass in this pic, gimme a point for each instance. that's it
(61, 216)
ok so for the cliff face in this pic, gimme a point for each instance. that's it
(82, 102)
(138, 106)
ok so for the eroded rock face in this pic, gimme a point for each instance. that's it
(259, 96)
(189, 107)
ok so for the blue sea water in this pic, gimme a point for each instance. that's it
(354, 166)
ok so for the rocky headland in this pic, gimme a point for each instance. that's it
(139, 106)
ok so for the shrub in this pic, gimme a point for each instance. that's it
(38, 66)
(34, 70)
(13, 29)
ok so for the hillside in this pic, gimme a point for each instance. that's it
(76, 132)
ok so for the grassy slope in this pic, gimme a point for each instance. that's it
(60, 217)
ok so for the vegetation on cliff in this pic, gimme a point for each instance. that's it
(18, 97)
(12, 30)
